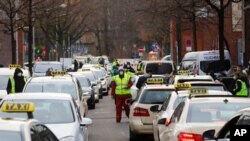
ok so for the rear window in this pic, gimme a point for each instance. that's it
(159, 68)
(214, 111)
(215, 66)
(4, 81)
(154, 96)
(210, 87)
(42, 68)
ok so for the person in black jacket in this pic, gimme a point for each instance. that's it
(16, 83)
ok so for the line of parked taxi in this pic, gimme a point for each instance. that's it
(54, 107)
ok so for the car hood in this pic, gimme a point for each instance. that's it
(63, 130)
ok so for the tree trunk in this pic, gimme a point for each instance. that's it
(13, 42)
(178, 34)
(194, 32)
(30, 37)
(221, 33)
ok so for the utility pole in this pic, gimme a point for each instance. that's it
(30, 36)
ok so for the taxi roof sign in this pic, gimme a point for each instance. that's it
(182, 85)
(155, 81)
(85, 69)
(18, 107)
(58, 73)
(197, 91)
(13, 66)
(184, 72)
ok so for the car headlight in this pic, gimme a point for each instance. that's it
(69, 138)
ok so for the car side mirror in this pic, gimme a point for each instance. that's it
(102, 79)
(209, 135)
(85, 96)
(154, 108)
(86, 122)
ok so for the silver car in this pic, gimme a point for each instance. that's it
(58, 112)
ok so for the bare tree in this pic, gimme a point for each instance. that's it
(219, 6)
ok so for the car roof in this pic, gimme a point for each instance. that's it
(56, 96)
(13, 124)
(218, 99)
(8, 71)
(205, 82)
(193, 76)
(158, 86)
(158, 61)
(209, 92)
(48, 62)
(42, 79)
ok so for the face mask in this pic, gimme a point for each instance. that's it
(121, 73)
(128, 66)
(19, 74)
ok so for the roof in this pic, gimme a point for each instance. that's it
(209, 92)
(43, 79)
(13, 124)
(48, 62)
(61, 96)
(8, 71)
(215, 99)
(159, 86)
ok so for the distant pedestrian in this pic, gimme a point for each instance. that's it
(241, 85)
(49, 72)
(16, 83)
(75, 65)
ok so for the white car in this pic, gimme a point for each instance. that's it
(189, 78)
(59, 84)
(23, 129)
(40, 68)
(58, 112)
(140, 117)
(198, 114)
(164, 114)
(5, 73)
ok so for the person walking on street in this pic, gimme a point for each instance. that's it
(75, 65)
(129, 68)
(242, 85)
(16, 83)
(120, 91)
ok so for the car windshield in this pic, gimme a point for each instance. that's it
(214, 111)
(90, 76)
(54, 87)
(42, 68)
(159, 68)
(46, 111)
(154, 96)
(215, 66)
(3, 82)
(83, 81)
(10, 136)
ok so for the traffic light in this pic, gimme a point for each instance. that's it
(38, 51)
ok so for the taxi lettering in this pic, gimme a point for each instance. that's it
(58, 73)
(14, 66)
(155, 80)
(198, 91)
(182, 85)
(18, 107)
(184, 72)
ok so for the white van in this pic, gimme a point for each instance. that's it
(205, 62)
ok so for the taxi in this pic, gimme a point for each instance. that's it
(58, 112)
(41, 67)
(59, 82)
(23, 129)
(198, 113)
(140, 118)
(95, 83)
(186, 76)
(5, 73)
(164, 114)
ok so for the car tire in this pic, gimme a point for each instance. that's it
(92, 106)
(106, 94)
(97, 101)
(100, 96)
(132, 136)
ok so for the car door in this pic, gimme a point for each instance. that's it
(40, 132)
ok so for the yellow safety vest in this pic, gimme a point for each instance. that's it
(13, 84)
(244, 90)
(121, 85)
(139, 67)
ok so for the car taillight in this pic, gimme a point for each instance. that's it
(189, 137)
(138, 111)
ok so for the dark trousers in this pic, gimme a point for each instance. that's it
(120, 102)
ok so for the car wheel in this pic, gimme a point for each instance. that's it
(132, 136)
(106, 94)
(92, 106)
(97, 101)
(100, 96)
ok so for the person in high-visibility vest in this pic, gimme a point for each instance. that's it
(121, 85)
(139, 66)
(242, 85)
(16, 83)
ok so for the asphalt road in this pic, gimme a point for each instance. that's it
(105, 128)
